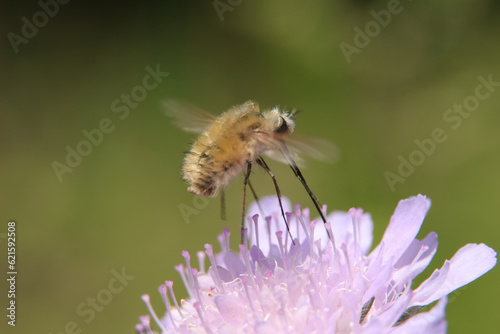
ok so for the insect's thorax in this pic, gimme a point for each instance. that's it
(225, 149)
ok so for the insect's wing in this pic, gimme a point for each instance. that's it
(299, 148)
(188, 116)
(315, 148)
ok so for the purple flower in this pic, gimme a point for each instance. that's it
(317, 284)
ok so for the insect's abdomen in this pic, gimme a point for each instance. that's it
(211, 165)
(197, 173)
(221, 153)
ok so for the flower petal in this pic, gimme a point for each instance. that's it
(404, 225)
(270, 207)
(373, 327)
(342, 227)
(470, 262)
(431, 322)
(231, 308)
(366, 232)
(275, 286)
(391, 312)
(408, 267)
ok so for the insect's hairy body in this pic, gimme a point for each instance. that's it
(235, 139)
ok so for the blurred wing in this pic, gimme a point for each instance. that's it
(188, 116)
(300, 148)
(316, 148)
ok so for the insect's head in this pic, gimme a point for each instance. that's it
(281, 121)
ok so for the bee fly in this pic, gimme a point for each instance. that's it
(236, 140)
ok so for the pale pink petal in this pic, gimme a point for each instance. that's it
(366, 232)
(230, 308)
(408, 267)
(405, 224)
(469, 263)
(267, 235)
(342, 227)
(373, 327)
(393, 311)
(319, 285)
(430, 322)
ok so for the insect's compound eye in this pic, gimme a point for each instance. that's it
(283, 128)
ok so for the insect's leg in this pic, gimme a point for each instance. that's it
(245, 181)
(222, 205)
(298, 174)
(256, 199)
(263, 164)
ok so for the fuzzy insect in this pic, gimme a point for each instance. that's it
(236, 140)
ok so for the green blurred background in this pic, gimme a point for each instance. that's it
(120, 207)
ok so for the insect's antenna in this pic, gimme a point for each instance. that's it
(263, 164)
(245, 181)
(222, 205)
(297, 173)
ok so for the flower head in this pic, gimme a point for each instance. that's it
(318, 284)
